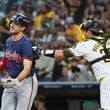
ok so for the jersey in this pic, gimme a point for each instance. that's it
(92, 50)
(16, 51)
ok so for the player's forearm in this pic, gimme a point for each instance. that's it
(26, 71)
(58, 54)
(23, 74)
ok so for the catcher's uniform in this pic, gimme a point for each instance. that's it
(92, 50)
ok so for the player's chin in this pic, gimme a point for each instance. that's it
(12, 32)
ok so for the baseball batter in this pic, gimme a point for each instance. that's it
(21, 85)
(95, 53)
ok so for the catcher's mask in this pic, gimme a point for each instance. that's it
(93, 26)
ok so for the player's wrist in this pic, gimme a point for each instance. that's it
(9, 82)
(16, 80)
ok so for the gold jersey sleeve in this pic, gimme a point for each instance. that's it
(81, 36)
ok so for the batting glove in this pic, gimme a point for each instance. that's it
(9, 82)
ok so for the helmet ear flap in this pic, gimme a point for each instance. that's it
(82, 26)
(9, 23)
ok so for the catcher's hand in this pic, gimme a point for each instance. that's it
(9, 82)
(36, 51)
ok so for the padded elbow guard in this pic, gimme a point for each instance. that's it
(67, 53)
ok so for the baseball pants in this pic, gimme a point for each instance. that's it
(21, 96)
(105, 93)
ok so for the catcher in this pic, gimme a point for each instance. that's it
(95, 51)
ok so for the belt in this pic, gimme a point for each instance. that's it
(30, 75)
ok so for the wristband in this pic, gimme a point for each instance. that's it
(49, 53)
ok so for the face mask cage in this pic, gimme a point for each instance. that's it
(93, 26)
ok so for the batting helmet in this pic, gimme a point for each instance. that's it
(20, 19)
(93, 26)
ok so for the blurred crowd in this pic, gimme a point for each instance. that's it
(55, 24)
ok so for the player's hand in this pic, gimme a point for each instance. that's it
(9, 82)
(36, 52)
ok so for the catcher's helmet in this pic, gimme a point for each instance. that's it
(20, 19)
(93, 26)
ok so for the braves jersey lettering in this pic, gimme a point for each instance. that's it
(13, 56)
(16, 51)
